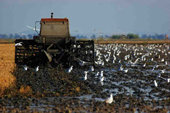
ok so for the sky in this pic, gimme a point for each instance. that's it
(89, 16)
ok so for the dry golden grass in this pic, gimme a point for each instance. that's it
(7, 64)
(6, 40)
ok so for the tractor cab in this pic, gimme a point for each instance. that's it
(53, 30)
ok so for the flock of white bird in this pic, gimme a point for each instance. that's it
(127, 57)
(152, 58)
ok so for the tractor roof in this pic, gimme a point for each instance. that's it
(54, 19)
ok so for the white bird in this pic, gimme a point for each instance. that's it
(37, 68)
(107, 59)
(113, 61)
(101, 82)
(156, 84)
(97, 74)
(18, 44)
(74, 46)
(91, 68)
(125, 70)
(119, 61)
(86, 52)
(163, 71)
(70, 69)
(121, 68)
(162, 60)
(144, 59)
(168, 80)
(85, 75)
(152, 59)
(110, 99)
(101, 73)
(159, 75)
(102, 63)
(144, 65)
(101, 79)
(125, 57)
(159, 56)
(25, 67)
(78, 46)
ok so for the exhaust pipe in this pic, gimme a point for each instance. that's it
(52, 15)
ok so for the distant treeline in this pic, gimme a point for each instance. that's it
(128, 36)
(16, 35)
(155, 36)
(136, 36)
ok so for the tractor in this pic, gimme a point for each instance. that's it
(53, 45)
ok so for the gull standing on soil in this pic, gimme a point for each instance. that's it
(25, 67)
(159, 56)
(152, 59)
(91, 68)
(156, 84)
(144, 65)
(37, 68)
(168, 80)
(159, 75)
(102, 63)
(121, 68)
(101, 73)
(85, 75)
(162, 60)
(101, 80)
(113, 61)
(70, 69)
(97, 74)
(125, 70)
(163, 71)
(110, 99)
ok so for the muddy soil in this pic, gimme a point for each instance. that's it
(137, 76)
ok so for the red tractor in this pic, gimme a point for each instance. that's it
(54, 46)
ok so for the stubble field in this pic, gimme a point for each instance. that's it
(7, 64)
